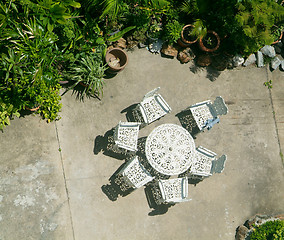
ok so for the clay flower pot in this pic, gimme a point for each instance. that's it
(186, 39)
(116, 59)
(210, 42)
(280, 37)
(34, 109)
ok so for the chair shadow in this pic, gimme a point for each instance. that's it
(105, 144)
(133, 115)
(187, 121)
(157, 209)
(116, 186)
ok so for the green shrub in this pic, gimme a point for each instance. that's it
(172, 31)
(88, 69)
(255, 19)
(271, 230)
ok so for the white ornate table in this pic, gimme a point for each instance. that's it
(170, 149)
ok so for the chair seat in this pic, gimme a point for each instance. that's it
(126, 135)
(201, 113)
(135, 174)
(153, 108)
(203, 162)
(174, 190)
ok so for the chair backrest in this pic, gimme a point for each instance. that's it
(174, 190)
(219, 164)
(218, 107)
(151, 93)
(135, 174)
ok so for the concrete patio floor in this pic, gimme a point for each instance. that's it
(50, 178)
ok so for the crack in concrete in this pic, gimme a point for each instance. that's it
(65, 181)
(269, 77)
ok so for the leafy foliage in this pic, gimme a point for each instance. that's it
(89, 69)
(271, 230)
(254, 21)
(172, 31)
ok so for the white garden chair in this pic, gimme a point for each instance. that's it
(206, 113)
(172, 190)
(201, 167)
(134, 174)
(152, 107)
(126, 135)
(206, 163)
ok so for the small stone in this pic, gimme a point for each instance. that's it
(275, 62)
(204, 60)
(259, 57)
(238, 60)
(268, 51)
(241, 232)
(250, 60)
(121, 43)
(282, 65)
(169, 50)
(186, 55)
(141, 45)
(156, 47)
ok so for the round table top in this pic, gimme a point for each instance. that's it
(170, 149)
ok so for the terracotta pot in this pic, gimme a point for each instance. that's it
(206, 49)
(32, 109)
(185, 31)
(281, 35)
(83, 84)
(116, 59)
(182, 44)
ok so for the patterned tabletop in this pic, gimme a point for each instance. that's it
(170, 149)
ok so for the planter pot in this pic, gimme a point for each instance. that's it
(186, 39)
(204, 46)
(116, 60)
(281, 35)
(83, 84)
(33, 109)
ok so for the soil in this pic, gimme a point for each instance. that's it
(187, 35)
(210, 41)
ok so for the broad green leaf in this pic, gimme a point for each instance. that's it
(100, 40)
(75, 4)
(120, 34)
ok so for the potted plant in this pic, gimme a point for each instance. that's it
(191, 32)
(116, 60)
(277, 33)
(88, 71)
(210, 42)
(155, 30)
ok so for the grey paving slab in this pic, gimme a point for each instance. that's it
(33, 201)
(251, 183)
